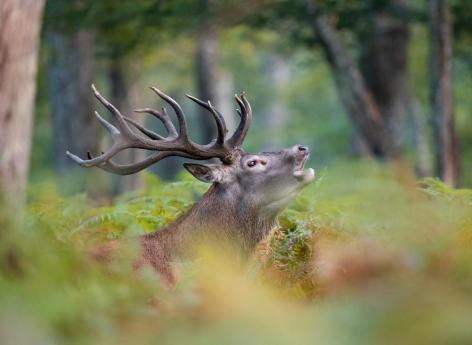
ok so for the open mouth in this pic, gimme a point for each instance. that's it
(300, 163)
(300, 173)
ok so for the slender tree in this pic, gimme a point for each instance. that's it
(123, 93)
(423, 163)
(441, 93)
(384, 64)
(71, 72)
(354, 93)
(20, 24)
(212, 82)
(207, 73)
(278, 75)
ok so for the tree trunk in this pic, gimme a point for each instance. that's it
(207, 76)
(225, 99)
(384, 65)
(123, 94)
(20, 24)
(354, 93)
(423, 164)
(71, 69)
(441, 93)
(276, 114)
(358, 146)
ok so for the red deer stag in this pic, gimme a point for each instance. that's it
(248, 190)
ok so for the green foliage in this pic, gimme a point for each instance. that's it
(131, 214)
(127, 25)
(435, 187)
(358, 258)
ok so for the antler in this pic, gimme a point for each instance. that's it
(129, 134)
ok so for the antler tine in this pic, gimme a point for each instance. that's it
(143, 130)
(220, 125)
(170, 126)
(177, 109)
(114, 149)
(246, 118)
(247, 105)
(111, 129)
(117, 115)
(163, 117)
(220, 121)
(88, 163)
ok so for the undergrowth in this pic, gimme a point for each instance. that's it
(367, 255)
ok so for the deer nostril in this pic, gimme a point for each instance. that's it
(302, 148)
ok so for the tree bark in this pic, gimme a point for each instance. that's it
(276, 114)
(225, 99)
(384, 65)
(207, 76)
(441, 93)
(354, 93)
(20, 24)
(71, 69)
(423, 164)
(123, 94)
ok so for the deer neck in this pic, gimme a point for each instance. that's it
(224, 215)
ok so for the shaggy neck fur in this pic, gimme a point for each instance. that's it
(219, 216)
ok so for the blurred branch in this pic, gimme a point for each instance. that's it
(355, 97)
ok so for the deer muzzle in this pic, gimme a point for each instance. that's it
(302, 154)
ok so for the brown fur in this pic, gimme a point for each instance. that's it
(238, 211)
(214, 218)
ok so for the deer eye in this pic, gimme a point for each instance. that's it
(251, 163)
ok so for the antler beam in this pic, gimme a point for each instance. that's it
(176, 143)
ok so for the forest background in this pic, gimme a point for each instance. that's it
(376, 251)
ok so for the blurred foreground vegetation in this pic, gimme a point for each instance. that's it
(366, 255)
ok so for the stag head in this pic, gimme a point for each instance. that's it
(264, 181)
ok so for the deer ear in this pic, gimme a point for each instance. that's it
(205, 173)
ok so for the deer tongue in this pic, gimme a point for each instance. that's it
(307, 175)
